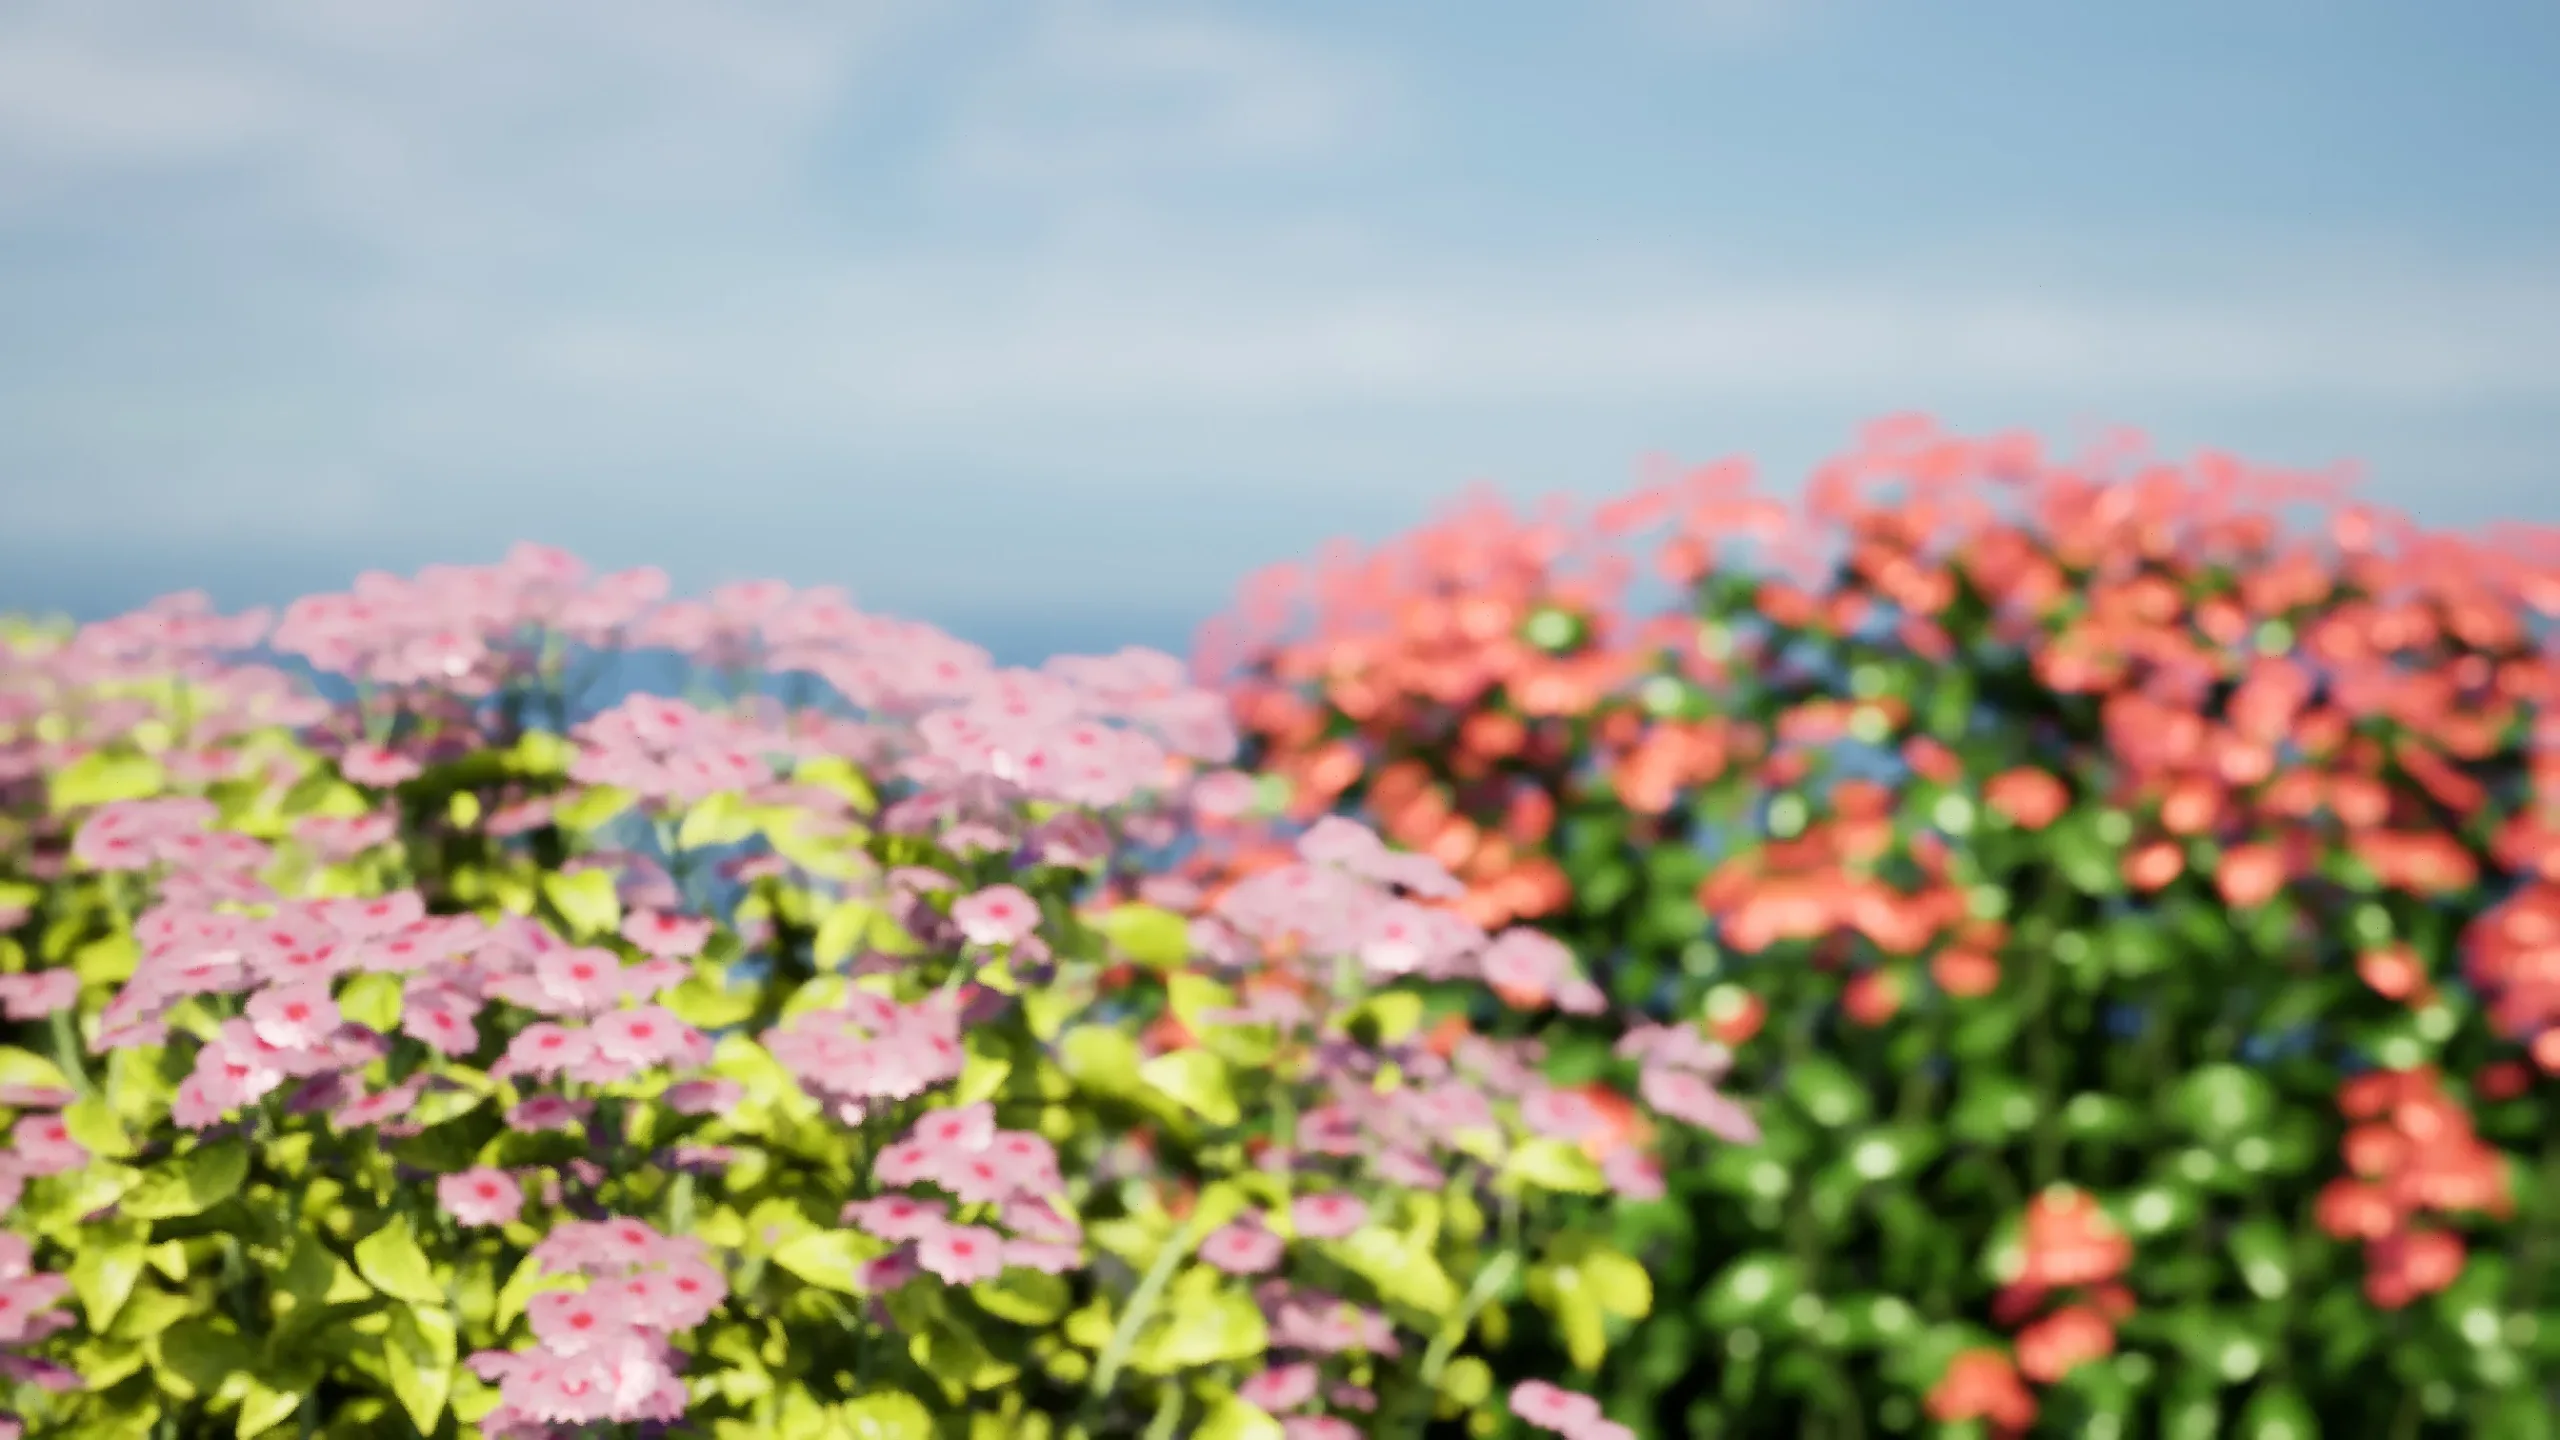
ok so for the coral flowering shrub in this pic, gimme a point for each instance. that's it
(461, 1050)
(2137, 882)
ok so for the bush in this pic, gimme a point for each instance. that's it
(2147, 910)
(414, 1032)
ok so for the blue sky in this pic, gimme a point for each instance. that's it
(1048, 321)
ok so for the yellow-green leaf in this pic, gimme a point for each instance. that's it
(420, 1356)
(390, 1259)
(107, 960)
(262, 1409)
(828, 1259)
(100, 778)
(834, 772)
(1025, 1297)
(706, 1002)
(189, 1184)
(720, 819)
(1148, 935)
(594, 808)
(25, 1067)
(841, 932)
(1230, 1418)
(1619, 1283)
(1552, 1164)
(93, 1122)
(586, 900)
(1102, 1058)
(372, 1001)
(1198, 1079)
(526, 1281)
(886, 1415)
(102, 1273)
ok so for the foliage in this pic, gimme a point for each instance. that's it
(2144, 913)
(412, 1034)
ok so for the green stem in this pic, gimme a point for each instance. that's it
(1489, 1282)
(1142, 1308)
(66, 1053)
(1168, 1413)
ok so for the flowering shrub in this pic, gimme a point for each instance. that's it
(2144, 915)
(408, 1035)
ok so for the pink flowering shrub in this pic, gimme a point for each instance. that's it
(471, 1054)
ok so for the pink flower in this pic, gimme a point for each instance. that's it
(962, 1254)
(1318, 1427)
(1327, 1217)
(38, 994)
(997, 915)
(482, 1196)
(673, 937)
(571, 1322)
(703, 1097)
(1687, 1096)
(897, 1217)
(442, 1023)
(377, 765)
(543, 1049)
(537, 1113)
(1047, 1257)
(1282, 1387)
(44, 1146)
(297, 1016)
(1549, 1407)
(1245, 1247)
(584, 981)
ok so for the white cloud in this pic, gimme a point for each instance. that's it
(1105, 94)
(578, 243)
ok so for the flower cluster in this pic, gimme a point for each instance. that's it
(602, 1351)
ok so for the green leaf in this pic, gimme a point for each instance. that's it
(2222, 1103)
(1198, 1080)
(585, 900)
(390, 1259)
(828, 1259)
(706, 1001)
(1552, 1164)
(189, 1184)
(420, 1356)
(720, 819)
(110, 1259)
(25, 1067)
(1586, 1330)
(1402, 1268)
(1993, 1108)
(1025, 1297)
(195, 1356)
(1230, 1418)
(886, 1415)
(1224, 1324)
(2277, 1412)
(2265, 1256)
(842, 931)
(526, 1281)
(594, 808)
(1622, 1286)
(101, 778)
(372, 1001)
(1148, 935)
(1754, 1285)
(1101, 1058)
(1827, 1090)
(263, 1409)
(94, 1123)
(108, 960)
